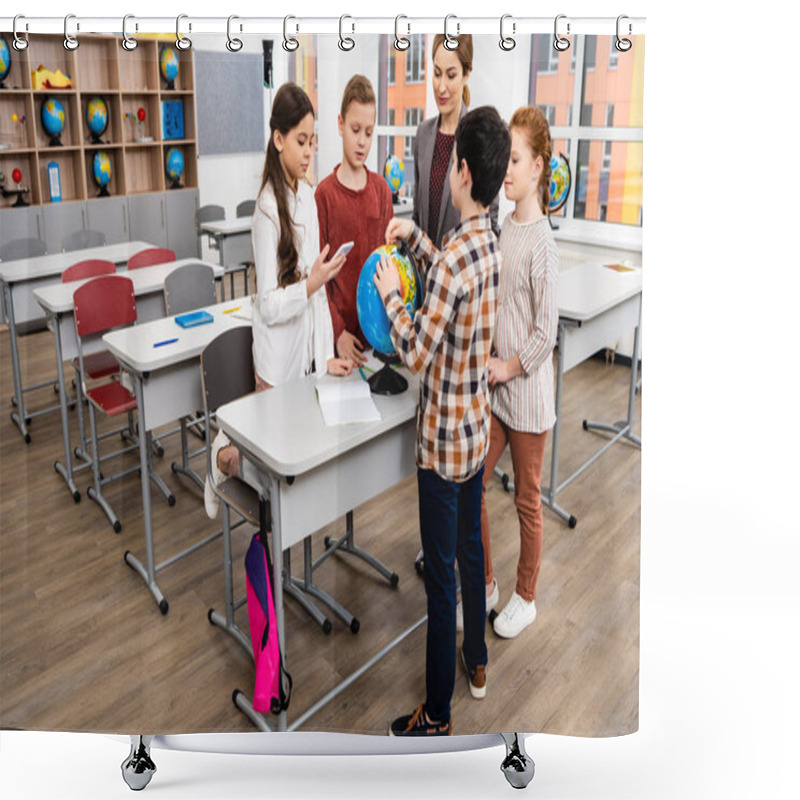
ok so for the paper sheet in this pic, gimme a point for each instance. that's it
(345, 400)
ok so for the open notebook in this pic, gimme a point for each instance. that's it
(344, 400)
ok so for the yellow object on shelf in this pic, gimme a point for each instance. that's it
(44, 78)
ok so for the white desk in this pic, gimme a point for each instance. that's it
(596, 307)
(233, 240)
(168, 386)
(57, 302)
(314, 474)
(20, 279)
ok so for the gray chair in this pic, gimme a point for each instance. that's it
(22, 248)
(208, 213)
(246, 208)
(81, 240)
(186, 289)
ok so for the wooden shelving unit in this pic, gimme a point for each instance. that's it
(126, 81)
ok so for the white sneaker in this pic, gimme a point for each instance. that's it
(491, 602)
(515, 617)
(209, 496)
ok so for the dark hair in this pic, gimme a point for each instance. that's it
(290, 106)
(483, 141)
(531, 121)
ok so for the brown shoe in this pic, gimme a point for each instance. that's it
(476, 678)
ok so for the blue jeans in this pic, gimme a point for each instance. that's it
(450, 529)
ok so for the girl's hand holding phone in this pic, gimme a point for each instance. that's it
(398, 229)
(339, 366)
(322, 271)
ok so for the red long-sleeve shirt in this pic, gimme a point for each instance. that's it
(360, 217)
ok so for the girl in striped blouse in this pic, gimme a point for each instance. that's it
(521, 373)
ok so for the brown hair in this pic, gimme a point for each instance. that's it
(464, 53)
(358, 90)
(290, 106)
(533, 123)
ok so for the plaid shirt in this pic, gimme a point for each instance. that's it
(449, 342)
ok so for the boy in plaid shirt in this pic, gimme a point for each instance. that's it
(448, 342)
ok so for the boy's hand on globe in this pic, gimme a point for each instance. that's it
(339, 366)
(386, 278)
(398, 229)
(349, 347)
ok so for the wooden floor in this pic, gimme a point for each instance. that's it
(83, 646)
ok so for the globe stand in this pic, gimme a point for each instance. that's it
(96, 138)
(55, 140)
(396, 198)
(18, 192)
(103, 191)
(387, 381)
(170, 87)
(176, 184)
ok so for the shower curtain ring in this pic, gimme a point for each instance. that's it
(70, 42)
(234, 45)
(623, 45)
(19, 43)
(128, 42)
(451, 42)
(401, 42)
(345, 42)
(182, 42)
(290, 44)
(560, 43)
(507, 42)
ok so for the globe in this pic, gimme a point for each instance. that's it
(101, 171)
(560, 182)
(371, 311)
(395, 172)
(174, 166)
(53, 119)
(97, 118)
(168, 63)
(5, 59)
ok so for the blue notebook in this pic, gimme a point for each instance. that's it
(194, 319)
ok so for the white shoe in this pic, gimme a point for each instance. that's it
(209, 496)
(491, 602)
(515, 617)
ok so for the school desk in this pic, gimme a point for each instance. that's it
(597, 305)
(19, 279)
(168, 386)
(233, 241)
(57, 303)
(314, 474)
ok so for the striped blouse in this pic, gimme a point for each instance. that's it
(527, 324)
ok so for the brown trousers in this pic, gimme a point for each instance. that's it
(527, 457)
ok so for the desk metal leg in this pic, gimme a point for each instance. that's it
(18, 417)
(220, 240)
(65, 469)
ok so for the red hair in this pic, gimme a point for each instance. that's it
(532, 122)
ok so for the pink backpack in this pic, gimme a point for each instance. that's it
(271, 677)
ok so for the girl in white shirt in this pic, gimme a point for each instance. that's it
(292, 328)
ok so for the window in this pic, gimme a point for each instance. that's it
(392, 62)
(413, 117)
(415, 60)
(595, 112)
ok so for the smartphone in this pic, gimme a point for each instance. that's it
(343, 250)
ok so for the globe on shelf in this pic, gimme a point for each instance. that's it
(173, 164)
(560, 182)
(395, 173)
(372, 314)
(168, 63)
(5, 60)
(101, 171)
(53, 119)
(97, 118)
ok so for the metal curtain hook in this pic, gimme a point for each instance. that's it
(70, 42)
(234, 45)
(507, 42)
(290, 44)
(623, 45)
(345, 42)
(560, 43)
(451, 42)
(401, 42)
(182, 42)
(128, 42)
(19, 43)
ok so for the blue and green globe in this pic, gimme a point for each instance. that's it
(5, 59)
(168, 63)
(97, 117)
(395, 173)
(173, 163)
(101, 171)
(371, 311)
(53, 118)
(560, 182)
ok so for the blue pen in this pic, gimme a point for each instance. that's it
(362, 373)
(166, 341)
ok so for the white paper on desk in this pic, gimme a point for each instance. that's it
(342, 401)
(245, 312)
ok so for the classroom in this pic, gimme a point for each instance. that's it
(116, 586)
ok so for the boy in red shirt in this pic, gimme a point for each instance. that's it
(353, 205)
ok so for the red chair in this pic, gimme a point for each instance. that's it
(151, 256)
(96, 365)
(102, 304)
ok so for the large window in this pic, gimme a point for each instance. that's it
(603, 141)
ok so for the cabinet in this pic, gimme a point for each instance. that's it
(61, 219)
(181, 235)
(109, 216)
(131, 85)
(147, 217)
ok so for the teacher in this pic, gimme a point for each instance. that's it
(433, 145)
